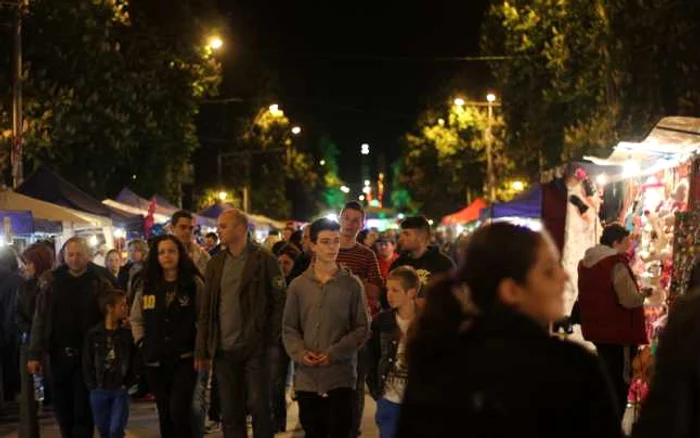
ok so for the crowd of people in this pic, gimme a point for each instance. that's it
(213, 332)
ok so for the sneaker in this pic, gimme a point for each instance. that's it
(212, 427)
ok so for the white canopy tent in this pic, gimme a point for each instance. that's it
(71, 220)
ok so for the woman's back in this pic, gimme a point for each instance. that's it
(505, 377)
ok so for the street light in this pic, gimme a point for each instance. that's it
(275, 110)
(366, 183)
(518, 186)
(322, 162)
(491, 97)
(215, 43)
(490, 175)
(361, 198)
(459, 101)
(345, 189)
(296, 130)
(366, 190)
(364, 149)
(222, 196)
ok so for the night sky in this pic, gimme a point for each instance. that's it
(356, 71)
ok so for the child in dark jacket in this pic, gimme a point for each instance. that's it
(109, 358)
(388, 371)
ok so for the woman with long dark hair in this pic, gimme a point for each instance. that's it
(38, 259)
(483, 361)
(163, 320)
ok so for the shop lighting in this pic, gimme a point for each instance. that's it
(92, 241)
(401, 216)
(345, 189)
(460, 229)
(2, 241)
(630, 169)
(366, 183)
(518, 186)
(361, 198)
(366, 190)
(602, 179)
(119, 233)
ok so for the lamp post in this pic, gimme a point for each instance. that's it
(490, 176)
(16, 149)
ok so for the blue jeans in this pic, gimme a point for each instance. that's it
(387, 417)
(110, 410)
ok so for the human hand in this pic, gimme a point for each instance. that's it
(34, 367)
(310, 359)
(323, 359)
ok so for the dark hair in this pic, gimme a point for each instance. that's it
(41, 256)
(362, 236)
(322, 224)
(416, 223)
(353, 205)
(153, 272)
(613, 233)
(407, 276)
(110, 298)
(494, 253)
(180, 214)
(296, 239)
(8, 261)
(289, 250)
(212, 236)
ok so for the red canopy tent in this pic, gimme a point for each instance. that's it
(465, 215)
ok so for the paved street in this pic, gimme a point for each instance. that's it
(143, 423)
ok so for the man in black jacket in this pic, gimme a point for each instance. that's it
(68, 299)
(240, 322)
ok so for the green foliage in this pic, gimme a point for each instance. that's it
(446, 159)
(109, 93)
(555, 86)
(331, 196)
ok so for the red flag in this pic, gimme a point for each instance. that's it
(149, 221)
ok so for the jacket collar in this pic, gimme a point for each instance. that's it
(340, 273)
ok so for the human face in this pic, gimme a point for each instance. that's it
(386, 249)
(209, 243)
(410, 239)
(351, 222)
(135, 254)
(29, 270)
(230, 230)
(75, 257)
(120, 310)
(371, 238)
(327, 246)
(113, 262)
(286, 263)
(287, 234)
(168, 255)
(183, 230)
(542, 296)
(396, 295)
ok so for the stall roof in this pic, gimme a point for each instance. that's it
(465, 215)
(21, 222)
(527, 205)
(12, 201)
(48, 186)
(164, 209)
(215, 210)
(670, 141)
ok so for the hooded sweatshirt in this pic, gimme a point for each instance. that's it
(625, 286)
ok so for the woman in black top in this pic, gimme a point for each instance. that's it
(38, 259)
(494, 370)
(163, 320)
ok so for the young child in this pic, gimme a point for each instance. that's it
(388, 371)
(108, 366)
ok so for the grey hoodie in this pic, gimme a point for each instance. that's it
(625, 286)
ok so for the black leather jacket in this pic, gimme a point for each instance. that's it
(94, 359)
(381, 351)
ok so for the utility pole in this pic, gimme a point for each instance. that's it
(16, 149)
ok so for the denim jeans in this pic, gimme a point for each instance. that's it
(110, 410)
(387, 417)
(244, 387)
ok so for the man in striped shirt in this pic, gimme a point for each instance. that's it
(363, 263)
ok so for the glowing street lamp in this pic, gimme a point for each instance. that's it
(322, 162)
(364, 149)
(361, 197)
(223, 196)
(459, 101)
(275, 110)
(345, 189)
(296, 130)
(366, 183)
(215, 43)
(491, 97)
(518, 186)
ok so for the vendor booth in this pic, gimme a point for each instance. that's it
(260, 225)
(466, 215)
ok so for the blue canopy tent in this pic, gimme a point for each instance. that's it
(46, 185)
(23, 223)
(527, 205)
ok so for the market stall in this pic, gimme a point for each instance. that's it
(466, 215)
